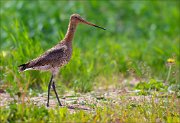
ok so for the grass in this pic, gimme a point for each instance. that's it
(140, 38)
(151, 109)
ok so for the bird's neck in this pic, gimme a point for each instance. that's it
(70, 32)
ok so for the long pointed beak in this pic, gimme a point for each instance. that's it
(88, 23)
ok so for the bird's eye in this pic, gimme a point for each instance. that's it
(75, 17)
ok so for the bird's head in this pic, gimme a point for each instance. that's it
(76, 18)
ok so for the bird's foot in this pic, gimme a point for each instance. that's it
(60, 104)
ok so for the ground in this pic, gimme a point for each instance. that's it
(115, 99)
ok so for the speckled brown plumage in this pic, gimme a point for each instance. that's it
(54, 58)
(58, 55)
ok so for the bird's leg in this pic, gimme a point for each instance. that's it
(49, 87)
(54, 88)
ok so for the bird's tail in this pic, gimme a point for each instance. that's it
(22, 67)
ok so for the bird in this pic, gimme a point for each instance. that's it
(58, 56)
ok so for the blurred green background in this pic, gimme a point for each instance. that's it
(140, 37)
